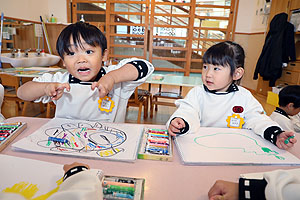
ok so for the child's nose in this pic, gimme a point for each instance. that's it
(81, 59)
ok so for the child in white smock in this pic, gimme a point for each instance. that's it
(289, 105)
(76, 92)
(220, 102)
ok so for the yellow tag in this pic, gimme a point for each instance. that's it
(235, 121)
(106, 104)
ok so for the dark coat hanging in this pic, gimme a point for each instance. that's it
(279, 48)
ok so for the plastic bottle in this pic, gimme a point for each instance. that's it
(19, 53)
(82, 19)
(43, 52)
(52, 19)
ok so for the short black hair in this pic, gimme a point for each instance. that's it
(290, 94)
(89, 33)
(225, 53)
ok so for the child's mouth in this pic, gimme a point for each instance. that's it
(83, 70)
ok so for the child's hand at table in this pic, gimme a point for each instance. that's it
(104, 85)
(289, 137)
(56, 90)
(175, 126)
(223, 190)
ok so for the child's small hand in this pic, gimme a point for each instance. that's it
(104, 85)
(67, 167)
(224, 190)
(55, 90)
(283, 137)
(175, 126)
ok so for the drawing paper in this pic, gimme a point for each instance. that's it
(32, 178)
(226, 146)
(86, 139)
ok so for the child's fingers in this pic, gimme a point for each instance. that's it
(102, 91)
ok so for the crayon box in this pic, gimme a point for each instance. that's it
(9, 131)
(122, 188)
(156, 144)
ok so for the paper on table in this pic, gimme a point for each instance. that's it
(109, 141)
(225, 146)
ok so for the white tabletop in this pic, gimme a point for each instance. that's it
(163, 180)
(188, 81)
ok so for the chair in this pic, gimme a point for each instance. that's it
(11, 84)
(165, 95)
(49, 106)
(137, 100)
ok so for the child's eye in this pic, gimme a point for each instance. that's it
(71, 54)
(204, 67)
(217, 69)
(89, 52)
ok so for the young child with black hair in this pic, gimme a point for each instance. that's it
(83, 48)
(220, 102)
(289, 105)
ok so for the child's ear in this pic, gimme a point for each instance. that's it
(105, 56)
(238, 74)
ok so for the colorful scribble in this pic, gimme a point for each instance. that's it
(264, 150)
(84, 138)
(29, 190)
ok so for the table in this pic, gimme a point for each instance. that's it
(164, 180)
(30, 72)
(174, 80)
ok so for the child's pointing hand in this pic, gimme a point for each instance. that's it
(104, 85)
(55, 90)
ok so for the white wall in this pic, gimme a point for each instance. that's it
(33, 9)
(249, 18)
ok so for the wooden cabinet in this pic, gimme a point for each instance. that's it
(290, 75)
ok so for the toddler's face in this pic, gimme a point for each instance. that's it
(216, 77)
(84, 62)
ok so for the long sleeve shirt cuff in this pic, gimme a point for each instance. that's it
(252, 189)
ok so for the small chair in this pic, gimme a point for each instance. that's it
(165, 95)
(11, 84)
(137, 100)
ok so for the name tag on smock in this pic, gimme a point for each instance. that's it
(81, 102)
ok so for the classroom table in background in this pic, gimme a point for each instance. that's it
(30, 72)
(163, 179)
(170, 80)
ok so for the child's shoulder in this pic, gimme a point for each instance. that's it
(57, 77)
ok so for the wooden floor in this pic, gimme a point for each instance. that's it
(159, 117)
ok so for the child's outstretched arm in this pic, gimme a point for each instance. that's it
(286, 140)
(126, 73)
(33, 90)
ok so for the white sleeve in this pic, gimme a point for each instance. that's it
(188, 109)
(48, 77)
(83, 185)
(137, 82)
(256, 119)
(283, 184)
(1, 101)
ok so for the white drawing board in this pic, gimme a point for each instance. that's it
(226, 146)
(87, 139)
(30, 178)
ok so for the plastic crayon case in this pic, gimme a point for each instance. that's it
(121, 188)
(156, 144)
(9, 131)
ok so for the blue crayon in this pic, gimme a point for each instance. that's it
(61, 140)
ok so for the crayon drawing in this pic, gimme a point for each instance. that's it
(84, 138)
(32, 179)
(230, 146)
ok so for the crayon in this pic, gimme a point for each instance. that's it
(54, 139)
(122, 195)
(13, 123)
(118, 183)
(121, 189)
(288, 140)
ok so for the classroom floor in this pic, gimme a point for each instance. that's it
(159, 117)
